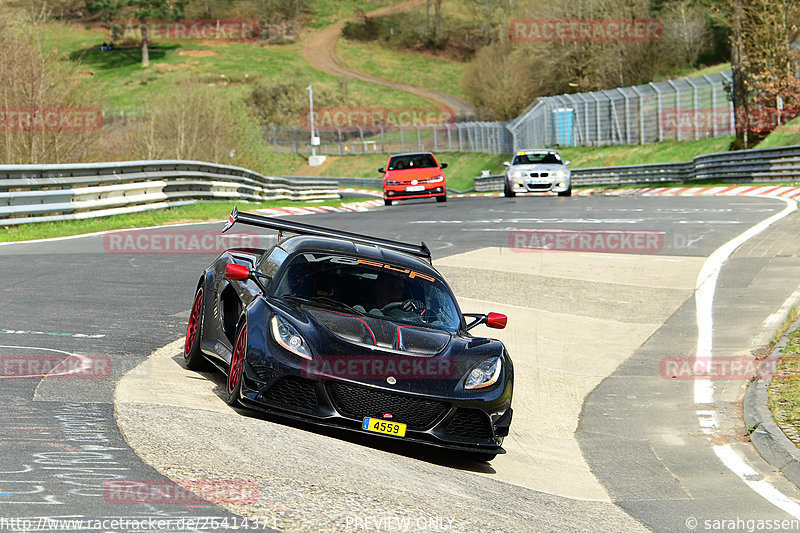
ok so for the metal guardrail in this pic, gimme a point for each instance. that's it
(761, 165)
(40, 193)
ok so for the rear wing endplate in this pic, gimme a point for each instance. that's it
(419, 250)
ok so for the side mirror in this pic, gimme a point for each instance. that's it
(237, 272)
(443, 166)
(507, 163)
(496, 320)
(382, 170)
(492, 320)
(567, 163)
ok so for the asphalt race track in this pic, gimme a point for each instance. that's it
(606, 435)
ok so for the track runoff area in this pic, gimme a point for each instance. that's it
(608, 298)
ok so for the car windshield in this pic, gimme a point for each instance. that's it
(544, 158)
(369, 288)
(405, 162)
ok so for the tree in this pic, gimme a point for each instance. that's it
(765, 65)
(47, 115)
(142, 11)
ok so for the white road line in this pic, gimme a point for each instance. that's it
(738, 466)
(703, 389)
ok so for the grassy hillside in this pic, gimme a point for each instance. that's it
(233, 68)
(403, 66)
(786, 135)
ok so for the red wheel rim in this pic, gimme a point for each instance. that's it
(237, 360)
(194, 320)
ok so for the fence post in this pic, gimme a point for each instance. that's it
(449, 137)
(275, 138)
(435, 142)
(383, 141)
(658, 96)
(419, 139)
(694, 103)
(641, 114)
(339, 133)
(361, 136)
(713, 105)
(627, 117)
(296, 141)
(596, 116)
(402, 140)
(677, 107)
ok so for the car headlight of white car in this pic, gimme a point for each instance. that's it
(516, 174)
(484, 374)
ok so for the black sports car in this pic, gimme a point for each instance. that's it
(351, 331)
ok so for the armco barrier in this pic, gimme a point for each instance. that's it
(39, 193)
(757, 165)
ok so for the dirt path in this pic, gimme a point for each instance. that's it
(319, 49)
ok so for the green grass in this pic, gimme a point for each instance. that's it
(199, 212)
(690, 72)
(327, 12)
(232, 68)
(784, 389)
(786, 135)
(663, 152)
(403, 66)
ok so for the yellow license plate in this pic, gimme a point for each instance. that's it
(378, 425)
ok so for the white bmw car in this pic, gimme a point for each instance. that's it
(537, 171)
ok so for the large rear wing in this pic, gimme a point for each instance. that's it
(419, 250)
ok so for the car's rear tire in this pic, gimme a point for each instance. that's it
(386, 201)
(236, 368)
(568, 192)
(442, 198)
(191, 349)
(508, 192)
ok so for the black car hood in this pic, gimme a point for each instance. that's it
(367, 330)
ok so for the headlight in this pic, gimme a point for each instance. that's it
(288, 337)
(485, 374)
(560, 173)
(436, 180)
(516, 174)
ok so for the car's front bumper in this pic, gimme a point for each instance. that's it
(458, 424)
(400, 192)
(529, 184)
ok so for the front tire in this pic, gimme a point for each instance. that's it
(568, 192)
(508, 192)
(236, 369)
(387, 202)
(442, 198)
(191, 349)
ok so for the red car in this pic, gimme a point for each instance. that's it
(416, 175)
